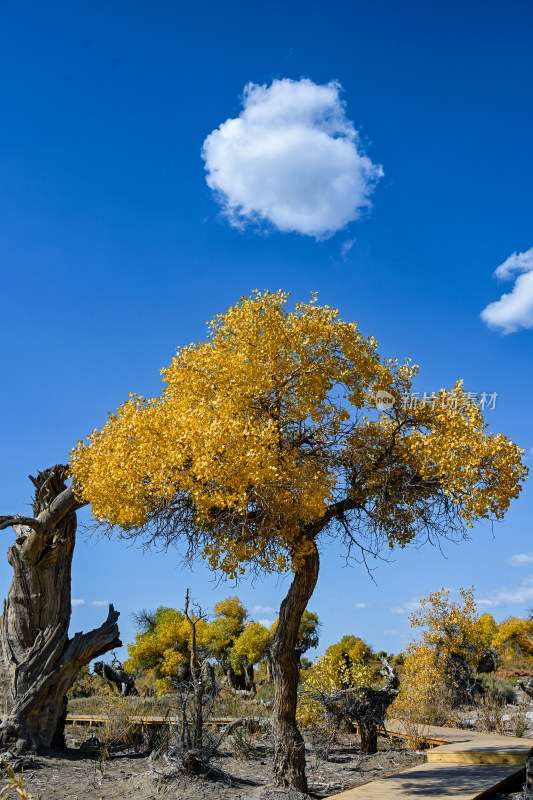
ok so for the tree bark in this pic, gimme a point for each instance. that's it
(289, 747)
(38, 662)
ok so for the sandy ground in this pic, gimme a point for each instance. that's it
(79, 776)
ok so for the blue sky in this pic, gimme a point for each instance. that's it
(114, 249)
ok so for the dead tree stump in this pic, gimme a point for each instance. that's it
(38, 661)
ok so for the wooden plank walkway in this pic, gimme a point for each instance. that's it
(144, 721)
(465, 766)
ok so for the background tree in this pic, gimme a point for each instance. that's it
(453, 633)
(224, 630)
(514, 637)
(441, 665)
(38, 661)
(248, 649)
(258, 445)
(116, 677)
(165, 647)
(350, 648)
(321, 702)
(307, 638)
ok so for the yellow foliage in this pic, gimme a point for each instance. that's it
(227, 626)
(14, 784)
(166, 647)
(258, 431)
(451, 629)
(514, 637)
(424, 697)
(487, 629)
(349, 647)
(250, 645)
(326, 677)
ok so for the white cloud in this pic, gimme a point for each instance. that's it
(100, 603)
(76, 601)
(519, 596)
(263, 610)
(361, 605)
(407, 608)
(266, 622)
(520, 559)
(292, 159)
(346, 247)
(514, 310)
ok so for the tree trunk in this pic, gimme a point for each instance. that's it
(370, 708)
(289, 748)
(368, 732)
(38, 662)
(249, 677)
(197, 685)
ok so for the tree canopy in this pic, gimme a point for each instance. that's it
(258, 442)
(349, 648)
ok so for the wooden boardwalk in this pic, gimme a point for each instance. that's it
(143, 721)
(465, 766)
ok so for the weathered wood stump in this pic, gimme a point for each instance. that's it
(38, 661)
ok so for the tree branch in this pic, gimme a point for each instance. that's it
(52, 514)
(19, 519)
(83, 647)
(58, 508)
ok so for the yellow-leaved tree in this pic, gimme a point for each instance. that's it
(514, 637)
(224, 630)
(266, 436)
(327, 675)
(250, 647)
(350, 648)
(439, 670)
(164, 645)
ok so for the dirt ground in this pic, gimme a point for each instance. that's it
(78, 776)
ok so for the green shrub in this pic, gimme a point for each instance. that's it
(499, 690)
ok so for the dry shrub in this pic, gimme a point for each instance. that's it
(519, 720)
(241, 744)
(230, 705)
(119, 730)
(490, 713)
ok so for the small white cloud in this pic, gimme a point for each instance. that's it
(520, 559)
(346, 247)
(292, 159)
(391, 633)
(263, 610)
(76, 601)
(266, 622)
(361, 605)
(407, 608)
(519, 596)
(514, 310)
(100, 603)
